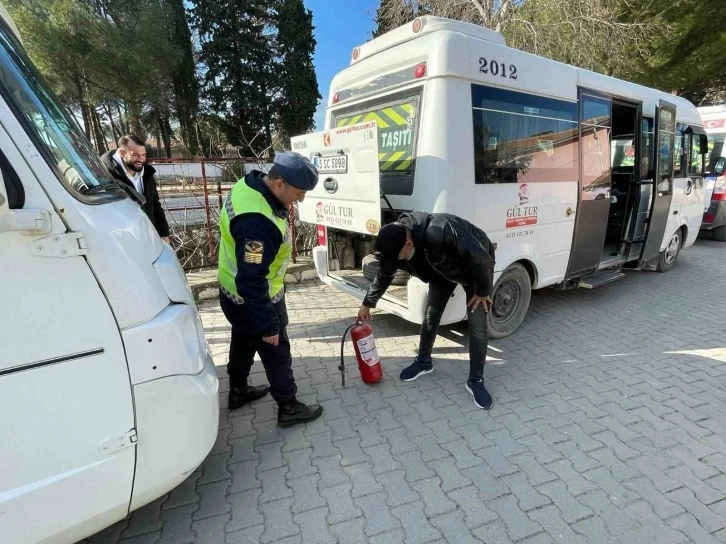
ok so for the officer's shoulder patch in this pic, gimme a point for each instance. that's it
(253, 251)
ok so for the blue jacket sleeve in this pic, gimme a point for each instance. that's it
(254, 234)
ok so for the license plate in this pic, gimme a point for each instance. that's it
(337, 164)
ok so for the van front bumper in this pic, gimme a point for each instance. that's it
(177, 419)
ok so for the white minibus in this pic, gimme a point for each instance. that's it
(108, 392)
(714, 216)
(572, 174)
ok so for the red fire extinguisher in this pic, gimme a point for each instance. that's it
(364, 344)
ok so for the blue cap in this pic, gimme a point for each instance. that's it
(296, 170)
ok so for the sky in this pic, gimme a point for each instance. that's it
(340, 25)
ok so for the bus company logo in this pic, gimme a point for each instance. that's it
(373, 226)
(326, 139)
(521, 215)
(523, 194)
(320, 216)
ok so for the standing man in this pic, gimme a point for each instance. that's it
(254, 252)
(444, 251)
(128, 165)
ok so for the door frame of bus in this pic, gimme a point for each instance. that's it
(661, 203)
(591, 221)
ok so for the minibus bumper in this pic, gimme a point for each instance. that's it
(177, 419)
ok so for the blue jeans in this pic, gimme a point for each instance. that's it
(439, 295)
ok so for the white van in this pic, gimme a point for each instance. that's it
(714, 214)
(556, 164)
(108, 393)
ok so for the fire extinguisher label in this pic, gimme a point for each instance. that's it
(367, 348)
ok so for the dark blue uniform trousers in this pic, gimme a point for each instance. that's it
(244, 345)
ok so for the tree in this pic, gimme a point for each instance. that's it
(689, 61)
(236, 64)
(258, 78)
(295, 45)
(393, 13)
(184, 78)
(592, 34)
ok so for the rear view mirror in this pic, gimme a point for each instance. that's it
(703, 141)
(719, 166)
(4, 207)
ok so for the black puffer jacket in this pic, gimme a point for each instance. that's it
(448, 249)
(153, 208)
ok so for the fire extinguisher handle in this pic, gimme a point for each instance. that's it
(341, 367)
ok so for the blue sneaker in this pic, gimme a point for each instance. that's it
(482, 398)
(415, 370)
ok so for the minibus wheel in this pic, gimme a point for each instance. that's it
(511, 297)
(667, 258)
(719, 234)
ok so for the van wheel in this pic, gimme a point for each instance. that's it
(719, 234)
(512, 294)
(667, 258)
(370, 269)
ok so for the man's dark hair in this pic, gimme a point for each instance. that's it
(391, 239)
(123, 141)
(274, 174)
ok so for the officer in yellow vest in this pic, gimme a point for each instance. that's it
(254, 252)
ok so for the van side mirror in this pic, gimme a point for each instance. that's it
(719, 166)
(4, 204)
(703, 141)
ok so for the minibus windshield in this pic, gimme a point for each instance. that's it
(55, 133)
(715, 149)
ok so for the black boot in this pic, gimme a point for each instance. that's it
(239, 396)
(296, 412)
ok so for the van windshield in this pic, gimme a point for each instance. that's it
(56, 134)
(715, 149)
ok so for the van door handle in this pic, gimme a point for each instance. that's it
(569, 212)
(675, 212)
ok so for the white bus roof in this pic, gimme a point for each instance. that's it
(429, 24)
(453, 49)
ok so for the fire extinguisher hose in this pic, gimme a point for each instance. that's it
(342, 347)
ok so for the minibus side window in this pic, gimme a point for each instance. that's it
(716, 149)
(695, 164)
(595, 127)
(522, 138)
(680, 152)
(647, 167)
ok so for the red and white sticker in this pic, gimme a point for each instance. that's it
(368, 351)
(521, 221)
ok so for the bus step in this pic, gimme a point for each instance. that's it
(601, 278)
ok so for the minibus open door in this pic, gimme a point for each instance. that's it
(662, 193)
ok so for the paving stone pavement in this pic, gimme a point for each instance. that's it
(606, 427)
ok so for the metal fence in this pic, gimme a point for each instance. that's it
(192, 192)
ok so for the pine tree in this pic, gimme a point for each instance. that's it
(295, 46)
(237, 65)
(186, 88)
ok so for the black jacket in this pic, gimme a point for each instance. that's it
(152, 207)
(448, 250)
(258, 315)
